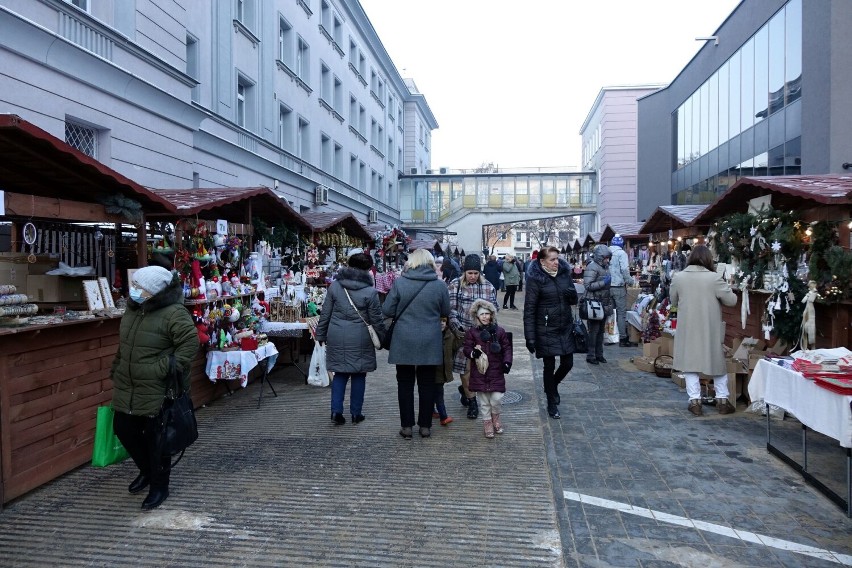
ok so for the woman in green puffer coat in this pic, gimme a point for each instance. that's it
(155, 326)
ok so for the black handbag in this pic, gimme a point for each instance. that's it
(386, 340)
(178, 427)
(581, 336)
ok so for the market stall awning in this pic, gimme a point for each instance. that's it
(323, 222)
(432, 245)
(37, 163)
(231, 203)
(672, 217)
(788, 192)
(626, 230)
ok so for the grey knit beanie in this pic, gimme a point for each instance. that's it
(152, 279)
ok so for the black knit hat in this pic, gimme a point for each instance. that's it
(472, 262)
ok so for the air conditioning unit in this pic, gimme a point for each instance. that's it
(414, 171)
(373, 216)
(321, 195)
(430, 172)
(444, 171)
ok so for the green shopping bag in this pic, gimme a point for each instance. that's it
(108, 450)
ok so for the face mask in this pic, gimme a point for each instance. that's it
(136, 295)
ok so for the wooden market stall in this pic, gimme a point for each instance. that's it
(822, 205)
(216, 231)
(54, 376)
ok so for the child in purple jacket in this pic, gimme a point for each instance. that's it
(489, 347)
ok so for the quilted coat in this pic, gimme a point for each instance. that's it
(349, 348)
(148, 334)
(493, 380)
(697, 294)
(417, 338)
(547, 310)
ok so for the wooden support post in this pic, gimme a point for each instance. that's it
(142, 244)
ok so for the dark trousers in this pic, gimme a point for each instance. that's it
(553, 375)
(424, 376)
(440, 406)
(138, 435)
(596, 333)
(510, 295)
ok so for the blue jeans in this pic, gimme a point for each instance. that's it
(356, 395)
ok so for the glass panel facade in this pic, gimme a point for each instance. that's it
(727, 125)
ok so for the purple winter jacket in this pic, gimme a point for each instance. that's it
(493, 380)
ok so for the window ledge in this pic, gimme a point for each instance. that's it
(324, 104)
(360, 136)
(399, 127)
(241, 28)
(325, 34)
(293, 75)
(377, 99)
(358, 74)
(377, 151)
(390, 164)
(338, 49)
(305, 7)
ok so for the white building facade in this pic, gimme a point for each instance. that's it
(609, 136)
(291, 94)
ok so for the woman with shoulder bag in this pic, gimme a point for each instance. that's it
(548, 319)
(417, 302)
(596, 280)
(154, 327)
(351, 304)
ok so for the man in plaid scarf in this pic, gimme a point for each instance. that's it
(464, 291)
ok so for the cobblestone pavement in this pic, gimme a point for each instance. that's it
(627, 477)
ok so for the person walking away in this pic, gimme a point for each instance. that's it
(154, 327)
(520, 265)
(351, 303)
(447, 268)
(548, 319)
(511, 277)
(596, 280)
(486, 340)
(697, 292)
(417, 301)
(491, 271)
(619, 271)
(464, 291)
(444, 371)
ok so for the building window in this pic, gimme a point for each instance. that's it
(192, 64)
(338, 160)
(286, 128)
(338, 95)
(325, 83)
(390, 147)
(353, 112)
(338, 33)
(325, 15)
(326, 155)
(303, 60)
(353, 170)
(374, 81)
(83, 138)
(362, 119)
(245, 13)
(374, 138)
(285, 41)
(374, 182)
(245, 103)
(353, 53)
(303, 140)
(362, 176)
(362, 64)
(241, 10)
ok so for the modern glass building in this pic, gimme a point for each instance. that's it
(765, 97)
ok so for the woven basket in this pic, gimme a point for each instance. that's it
(663, 366)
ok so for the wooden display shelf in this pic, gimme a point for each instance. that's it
(217, 299)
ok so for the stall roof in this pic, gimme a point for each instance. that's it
(321, 222)
(788, 192)
(229, 203)
(592, 238)
(667, 217)
(428, 244)
(626, 230)
(577, 245)
(37, 163)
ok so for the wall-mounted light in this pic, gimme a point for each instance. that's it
(714, 39)
(679, 239)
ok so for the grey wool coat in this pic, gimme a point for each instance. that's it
(511, 276)
(417, 338)
(696, 293)
(349, 348)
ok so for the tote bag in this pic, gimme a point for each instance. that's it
(581, 336)
(108, 449)
(318, 375)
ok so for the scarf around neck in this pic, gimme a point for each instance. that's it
(550, 272)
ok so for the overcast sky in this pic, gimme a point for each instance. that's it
(511, 81)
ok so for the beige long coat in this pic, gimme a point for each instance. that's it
(697, 293)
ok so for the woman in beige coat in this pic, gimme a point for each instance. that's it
(697, 292)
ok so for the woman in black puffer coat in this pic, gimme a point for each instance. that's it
(548, 319)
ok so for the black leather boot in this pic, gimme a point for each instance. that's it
(462, 397)
(472, 408)
(138, 484)
(155, 498)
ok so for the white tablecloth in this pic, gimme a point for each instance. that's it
(236, 365)
(817, 408)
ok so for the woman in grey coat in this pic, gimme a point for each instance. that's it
(596, 280)
(350, 353)
(417, 301)
(697, 292)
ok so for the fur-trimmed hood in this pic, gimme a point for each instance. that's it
(354, 278)
(536, 272)
(171, 294)
(474, 308)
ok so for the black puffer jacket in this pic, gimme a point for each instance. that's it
(547, 310)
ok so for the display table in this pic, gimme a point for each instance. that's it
(816, 408)
(291, 331)
(236, 366)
